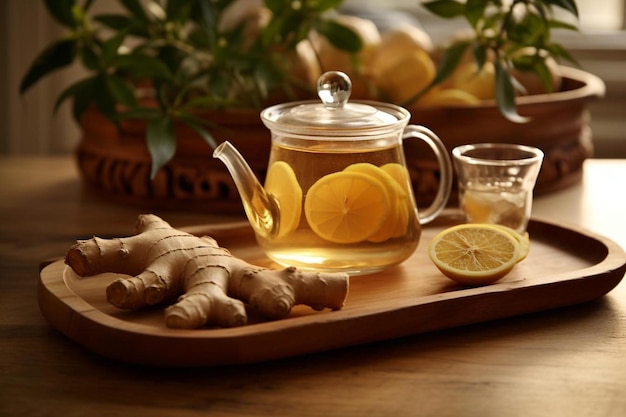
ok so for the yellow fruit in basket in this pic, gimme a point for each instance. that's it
(282, 183)
(346, 207)
(401, 79)
(398, 41)
(448, 97)
(305, 65)
(397, 219)
(334, 59)
(251, 16)
(474, 254)
(481, 84)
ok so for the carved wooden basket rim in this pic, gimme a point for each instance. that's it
(116, 162)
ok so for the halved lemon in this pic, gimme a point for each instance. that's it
(522, 238)
(346, 207)
(474, 254)
(282, 183)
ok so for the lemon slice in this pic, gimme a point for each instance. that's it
(346, 207)
(403, 218)
(282, 183)
(474, 254)
(399, 173)
(394, 192)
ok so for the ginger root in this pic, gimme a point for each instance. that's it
(211, 284)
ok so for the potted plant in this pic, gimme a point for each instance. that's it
(167, 79)
(509, 60)
(161, 71)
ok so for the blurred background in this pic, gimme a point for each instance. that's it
(27, 125)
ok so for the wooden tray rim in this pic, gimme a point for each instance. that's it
(54, 290)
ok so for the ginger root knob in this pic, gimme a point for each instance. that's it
(204, 282)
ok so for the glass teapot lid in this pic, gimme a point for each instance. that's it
(335, 116)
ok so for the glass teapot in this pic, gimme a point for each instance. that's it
(337, 194)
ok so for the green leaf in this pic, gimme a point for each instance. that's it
(161, 141)
(203, 14)
(545, 75)
(111, 47)
(446, 8)
(89, 58)
(276, 6)
(450, 60)
(120, 91)
(559, 52)
(142, 66)
(557, 24)
(530, 31)
(103, 97)
(505, 95)
(218, 85)
(491, 23)
(479, 53)
(569, 5)
(518, 86)
(524, 62)
(83, 98)
(178, 10)
(136, 9)
(324, 5)
(200, 130)
(114, 21)
(289, 27)
(55, 56)
(62, 12)
(122, 22)
(340, 36)
(77, 91)
(475, 11)
(535, 65)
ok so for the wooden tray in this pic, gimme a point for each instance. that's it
(565, 266)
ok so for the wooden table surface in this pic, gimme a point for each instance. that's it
(565, 362)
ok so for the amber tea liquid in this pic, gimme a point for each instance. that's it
(302, 247)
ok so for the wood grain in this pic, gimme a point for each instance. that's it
(560, 362)
(564, 267)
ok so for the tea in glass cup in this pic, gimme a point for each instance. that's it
(496, 182)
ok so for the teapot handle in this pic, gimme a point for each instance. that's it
(445, 166)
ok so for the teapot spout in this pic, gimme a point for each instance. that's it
(260, 206)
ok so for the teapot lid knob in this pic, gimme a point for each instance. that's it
(334, 88)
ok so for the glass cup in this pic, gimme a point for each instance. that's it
(496, 182)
